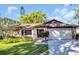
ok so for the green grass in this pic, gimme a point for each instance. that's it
(23, 48)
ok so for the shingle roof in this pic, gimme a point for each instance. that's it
(27, 26)
(50, 24)
(55, 24)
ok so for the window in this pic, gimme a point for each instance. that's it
(26, 32)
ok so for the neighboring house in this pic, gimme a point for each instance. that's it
(53, 29)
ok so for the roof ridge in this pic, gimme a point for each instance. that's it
(54, 20)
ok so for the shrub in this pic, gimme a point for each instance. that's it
(15, 40)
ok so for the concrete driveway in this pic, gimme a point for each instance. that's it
(63, 47)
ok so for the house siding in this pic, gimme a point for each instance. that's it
(34, 34)
(77, 30)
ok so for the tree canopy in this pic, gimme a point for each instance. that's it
(6, 25)
(6, 22)
(76, 16)
(33, 17)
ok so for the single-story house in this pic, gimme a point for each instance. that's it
(53, 29)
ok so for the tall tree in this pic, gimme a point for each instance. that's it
(76, 16)
(22, 10)
(33, 17)
(7, 25)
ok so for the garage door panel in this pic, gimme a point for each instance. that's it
(60, 33)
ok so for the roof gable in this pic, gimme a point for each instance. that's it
(55, 23)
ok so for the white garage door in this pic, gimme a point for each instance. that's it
(60, 33)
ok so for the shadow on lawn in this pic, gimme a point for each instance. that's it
(26, 49)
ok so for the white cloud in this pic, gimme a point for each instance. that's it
(70, 14)
(64, 11)
(61, 11)
(65, 5)
(55, 17)
(10, 8)
(65, 15)
(56, 10)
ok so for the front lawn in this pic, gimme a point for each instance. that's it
(23, 48)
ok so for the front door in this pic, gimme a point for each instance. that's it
(42, 33)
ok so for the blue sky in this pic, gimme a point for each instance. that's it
(62, 12)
